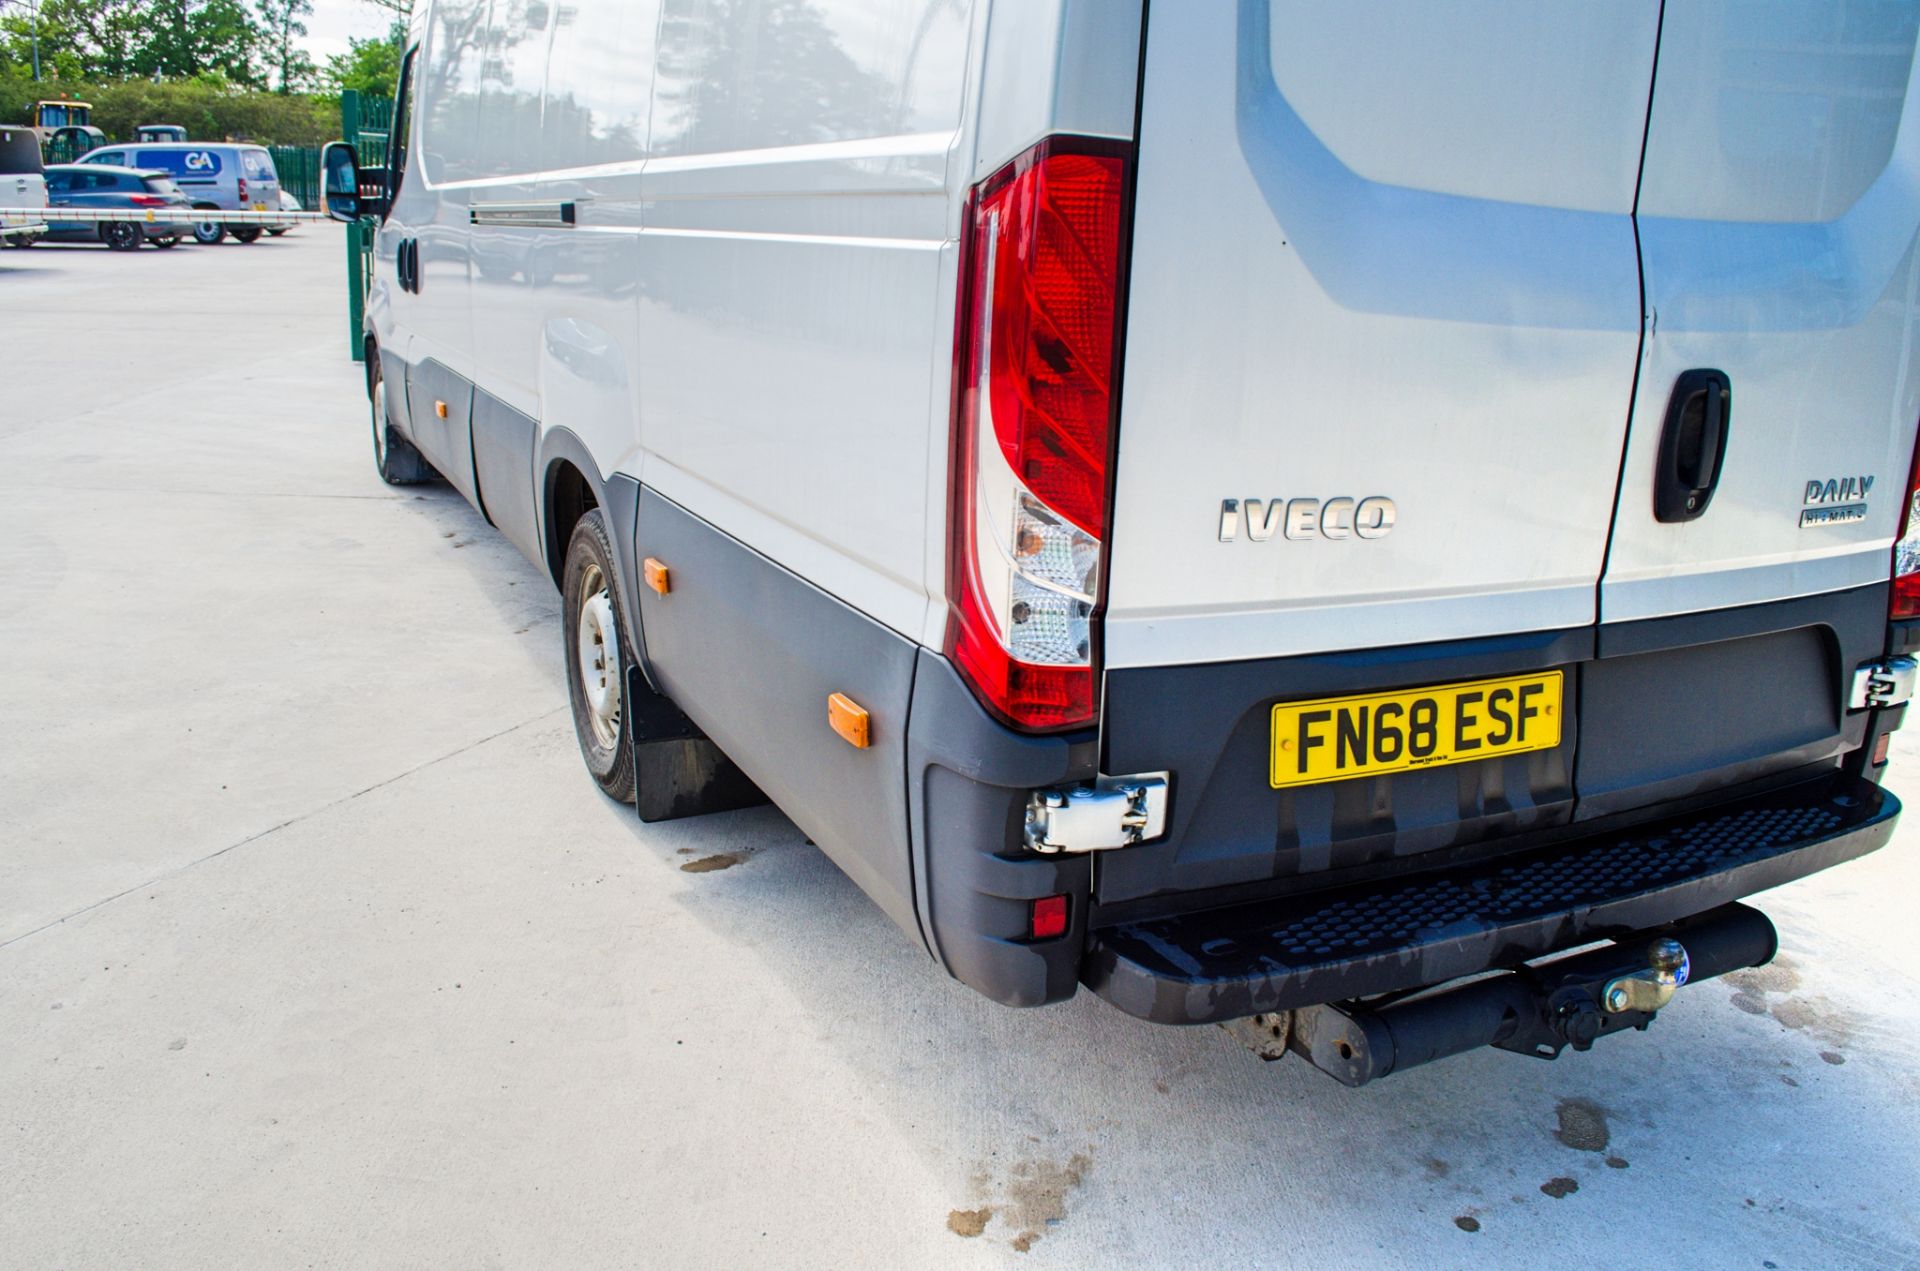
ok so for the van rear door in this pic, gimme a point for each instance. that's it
(1383, 254)
(21, 181)
(1777, 216)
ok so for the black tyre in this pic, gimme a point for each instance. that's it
(275, 233)
(394, 457)
(596, 656)
(165, 241)
(207, 233)
(23, 240)
(121, 236)
(246, 234)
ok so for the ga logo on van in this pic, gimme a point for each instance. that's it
(199, 165)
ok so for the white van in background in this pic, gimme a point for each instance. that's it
(23, 182)
(233, 176)
(1260, 508)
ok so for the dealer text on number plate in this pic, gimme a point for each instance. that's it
(1363, 736)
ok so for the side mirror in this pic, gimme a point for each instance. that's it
(341, 184)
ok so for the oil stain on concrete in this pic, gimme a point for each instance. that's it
(1772, 990)
(1583, 1125)
(1028, 1200)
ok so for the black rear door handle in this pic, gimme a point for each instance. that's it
(1693, 445)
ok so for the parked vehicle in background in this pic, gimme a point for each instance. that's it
(22, 179)
(97, 187)
(1192, 503)
(234, 176)
(70, 143)
(159, 132)
(287, 204)
(49, 116)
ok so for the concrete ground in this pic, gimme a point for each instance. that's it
(318, 947)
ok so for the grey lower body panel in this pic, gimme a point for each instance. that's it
(751, 653)
(1657, 712)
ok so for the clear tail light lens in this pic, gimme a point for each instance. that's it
(1038, 348)
(1906, 552)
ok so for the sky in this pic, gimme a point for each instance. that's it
(333, 21)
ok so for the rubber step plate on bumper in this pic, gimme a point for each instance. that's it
(1428, 928)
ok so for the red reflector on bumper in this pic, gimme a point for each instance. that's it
(1049, 917)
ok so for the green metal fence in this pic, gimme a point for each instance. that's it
(299, 169)
(365, 122)
(63, 150)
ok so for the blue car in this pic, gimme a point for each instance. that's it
(143, 193)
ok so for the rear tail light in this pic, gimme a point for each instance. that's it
(146, 200)
(1038, 331)
(1906, 552)
(243, 189)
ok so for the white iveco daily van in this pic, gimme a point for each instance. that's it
(1260, 508)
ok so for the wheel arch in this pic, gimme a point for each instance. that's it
(569, 483)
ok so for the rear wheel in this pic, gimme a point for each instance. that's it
(247, 234)
(208, 233)
(121, 236)
(394, 457)
(596, 657)
(165, 241)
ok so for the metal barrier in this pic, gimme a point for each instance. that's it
(153, 216)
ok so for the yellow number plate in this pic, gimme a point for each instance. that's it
(1340, 737)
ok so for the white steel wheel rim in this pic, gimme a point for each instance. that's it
(380, 422)
(597, 644)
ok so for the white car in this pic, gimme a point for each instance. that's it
(287, 204)
(1260, 510)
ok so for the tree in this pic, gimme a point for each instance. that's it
(370, 66)
(186, 39)
(282, 28)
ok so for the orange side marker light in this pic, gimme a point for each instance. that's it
(440, 409)
(657, 576)
(850, 720)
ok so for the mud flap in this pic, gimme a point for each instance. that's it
(677, 771)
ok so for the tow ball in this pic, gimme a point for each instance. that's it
(1537, 1009)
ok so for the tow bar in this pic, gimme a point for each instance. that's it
(1539, 1009)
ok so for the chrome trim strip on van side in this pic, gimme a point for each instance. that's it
(556, 215)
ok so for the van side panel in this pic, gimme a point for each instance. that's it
(751, 653)
(503, 446)
(446, 442)
(794, 316)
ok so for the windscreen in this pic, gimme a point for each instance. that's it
(19, 151)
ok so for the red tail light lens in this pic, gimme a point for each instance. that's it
(242, 182)
(146, 200)
(1034, 416)
(1906, 553)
